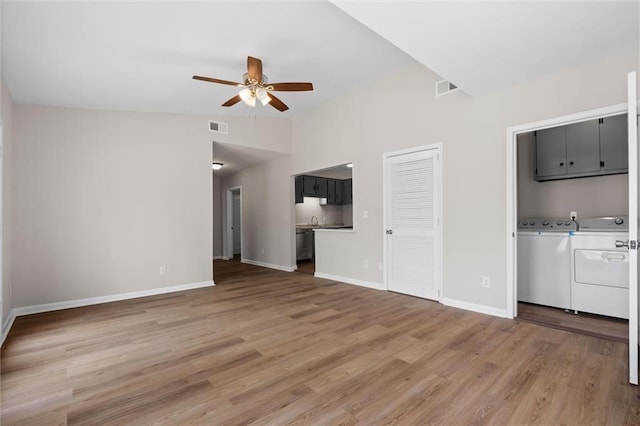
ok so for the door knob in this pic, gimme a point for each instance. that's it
(621, 244)
(389, 231)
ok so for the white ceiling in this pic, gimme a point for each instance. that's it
(140, 56)
(486, 46)
(236, 157)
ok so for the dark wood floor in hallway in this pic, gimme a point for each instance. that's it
(269, 347)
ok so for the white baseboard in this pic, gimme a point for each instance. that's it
(6, 326)
(48, 307)
(225, 258)
(361, 283)
(482, 309)
(269, 265)
(217, 257)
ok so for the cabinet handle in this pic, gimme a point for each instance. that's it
(571, 163)
(562, 164)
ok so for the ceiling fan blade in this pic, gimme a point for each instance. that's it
(232, 101)
(215, 80)
(291, 87)
(277, 103)
(254, 68)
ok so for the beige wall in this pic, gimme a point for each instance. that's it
(589, 197)
(103, 199)
(268, 219)
(402, 112)
(6, 120)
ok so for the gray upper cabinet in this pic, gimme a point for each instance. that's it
(613, 144)
(583, 147)
(590, 148)
(551, 152)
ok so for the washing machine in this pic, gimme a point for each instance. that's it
(599, 269)
(544, 275)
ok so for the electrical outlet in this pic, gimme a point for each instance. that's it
(163, 270)
(486, 282)
(365, 264)
(573, 215)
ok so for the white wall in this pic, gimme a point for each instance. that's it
(6, 117)
(589, 197)
(267, 212)
(103, 199)
(472, 131)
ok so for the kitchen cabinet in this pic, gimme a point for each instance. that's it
(613, 144)
(299, 189)
(590, 148)
(313, 186)
(336, 192)
(348, 191)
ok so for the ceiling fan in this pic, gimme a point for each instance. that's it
(256, 86)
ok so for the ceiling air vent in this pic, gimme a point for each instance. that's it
(218, 127)
(443, 87)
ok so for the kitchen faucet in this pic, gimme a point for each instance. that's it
(313, 220)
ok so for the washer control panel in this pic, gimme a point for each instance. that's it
(546, 224)
(604, 224)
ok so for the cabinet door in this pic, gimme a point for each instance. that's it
(299, 189)
(309, 185)
(331, 191)
(348, 191)
(322, 187)
(339, 191)
(551, 152)
(583, 147)
(613, 144)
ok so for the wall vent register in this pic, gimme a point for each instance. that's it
(218, 127)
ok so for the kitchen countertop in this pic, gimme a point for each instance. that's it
(323, 227)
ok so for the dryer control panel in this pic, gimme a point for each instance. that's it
(605, 224)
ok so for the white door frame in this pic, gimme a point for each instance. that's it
(438, 258)
(632, 135)
(2, 283)
(512, 187)
(228, 249)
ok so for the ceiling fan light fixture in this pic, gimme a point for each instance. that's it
(245, 94)
(262, 96)
(216, 165)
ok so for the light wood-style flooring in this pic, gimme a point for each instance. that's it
(269, 347)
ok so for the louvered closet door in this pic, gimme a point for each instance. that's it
(412, 223)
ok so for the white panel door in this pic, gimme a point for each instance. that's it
(412, 223)
(237, 225)
(632, 120)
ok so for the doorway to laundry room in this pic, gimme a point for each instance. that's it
(572, 207)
